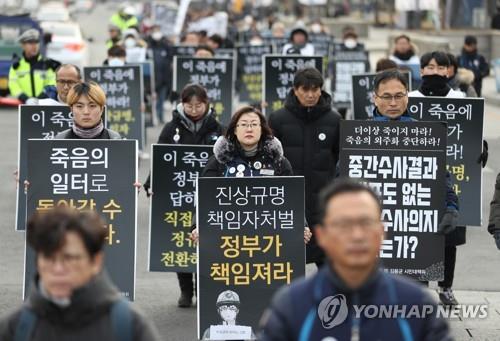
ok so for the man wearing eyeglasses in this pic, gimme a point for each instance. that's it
(391, 102)
(327, 305)
(67, 75)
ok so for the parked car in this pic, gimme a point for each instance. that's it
(67, 44)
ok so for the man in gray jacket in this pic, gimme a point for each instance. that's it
(72, 297)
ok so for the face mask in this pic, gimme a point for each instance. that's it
(156, 35)
(350, 43)
(115, 62)
(316, 28)
(129, 42)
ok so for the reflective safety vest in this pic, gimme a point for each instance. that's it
(28, 80)
(123, 24)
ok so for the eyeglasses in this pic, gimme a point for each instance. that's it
(248, 125)
(397, 97)
(347, 225)
(65, 82)
(228, 307)
(66, 260)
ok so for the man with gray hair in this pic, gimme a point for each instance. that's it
(67, 75)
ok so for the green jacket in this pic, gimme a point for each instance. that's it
(122, 23)
(28, 78)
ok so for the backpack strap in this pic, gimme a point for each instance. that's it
(25, 325)
(121, 320)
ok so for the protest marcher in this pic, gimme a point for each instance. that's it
(161, 52)
(132, 39)
(350, 40)
(248, 148)
(460, 78)
(67, 75)
(117, 56)
(472, 60)
(72, 296)
(494, 221)
(308, 128)
(278, 30)
(391, 103)
(434, 71)
(193, 122)
(124, 18)
(31, 72)
(215, 42)
(87, 101)
(299, 43)
(495, 19)
(385, 64)
(190, 38)
(405, 55)
(115, 36)
(350, 231)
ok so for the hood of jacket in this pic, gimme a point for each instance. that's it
(225, 150)
(323, 106)
(465, 76)
(190, 125)
(88, 303)
(377, 116)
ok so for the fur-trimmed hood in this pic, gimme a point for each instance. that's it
(225, 151)
(465, 76)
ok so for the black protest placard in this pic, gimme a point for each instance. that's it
(405, 162)
(322, 43)
(148, 79)
(279, 72)
(175, 169)
(226, 53)
(250, 71)
(165, 16)
(362, 94)
(465, 117)
(89, 175)
(343, 65)
(183, 50)
(124, 88)
(43, 122)
(214, 74)
(251, 242)
(277, 43)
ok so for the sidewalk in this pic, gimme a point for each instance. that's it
(477, 329)
(489, 92)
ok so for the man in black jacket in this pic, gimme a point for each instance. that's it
(472, 60)
(308, 129)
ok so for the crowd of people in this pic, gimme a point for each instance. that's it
(73, 298)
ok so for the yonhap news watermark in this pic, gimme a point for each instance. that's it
(333, 311)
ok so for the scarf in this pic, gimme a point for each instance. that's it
(434, 85)
(89, 133)
(404, 56)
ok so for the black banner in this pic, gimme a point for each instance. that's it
(148, 79)
(250, 71)
(89, 175)
(251, 234)
(465, 117)
(124, 88)
(343, 65)
(214, 74)
(175, 169)
(279, 71)
(362, 94)
(405, 162)
(36, 122)
(277, 43)
(184, 50)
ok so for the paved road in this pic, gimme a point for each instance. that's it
(157, 293)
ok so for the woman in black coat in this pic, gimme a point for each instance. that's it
(248, 149)
(193, 122)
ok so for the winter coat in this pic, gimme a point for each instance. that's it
(86, 318)
(310, 138)
(162, 55)
(458, 236)
(477, 64)
(295, 309)
(229, 160)
(181, 130)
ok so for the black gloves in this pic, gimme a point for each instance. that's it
(483, 158)
(449, 222)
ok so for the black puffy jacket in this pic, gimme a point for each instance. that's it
(310, 139)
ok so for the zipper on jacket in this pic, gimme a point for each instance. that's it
(355, 324)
